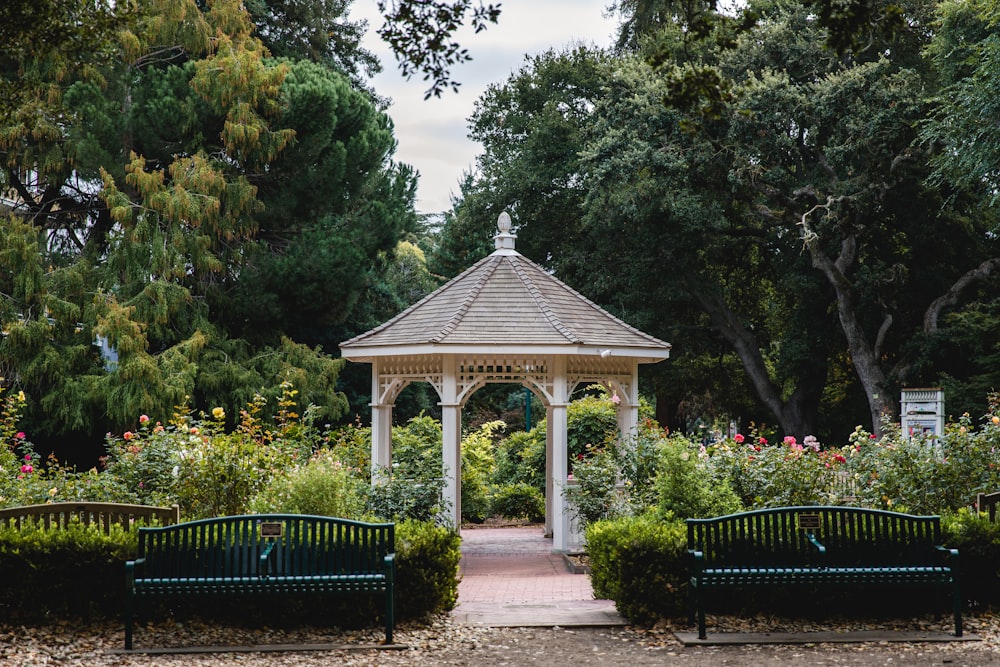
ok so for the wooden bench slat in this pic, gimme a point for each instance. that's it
(59, 515)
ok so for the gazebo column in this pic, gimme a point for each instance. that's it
(381, 428)
(628, 408)
(558, 426)
(549, 467)
(451, 444)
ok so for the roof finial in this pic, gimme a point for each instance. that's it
(504, 240)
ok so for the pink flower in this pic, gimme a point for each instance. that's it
(194, 430)
(738, 438)
(143, 419)
(615, 399)
(27, 469)
(762, 440)
(127, 435)
(789, 440)
(20, 435)
(27, 457)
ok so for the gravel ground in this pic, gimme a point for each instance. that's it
(445, 642)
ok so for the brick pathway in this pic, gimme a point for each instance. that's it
(511, 578)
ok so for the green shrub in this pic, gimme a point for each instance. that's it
(75, 572)
(593, 494)
(640, 563)
(427, 558)
(592, 422)
(686, 486)
(478, 468)
(322, 487)
(520, 459)
(396, 499)
(978, 542)
(519, 501)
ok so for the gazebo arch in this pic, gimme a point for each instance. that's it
(505, 319)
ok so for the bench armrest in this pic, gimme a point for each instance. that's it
(949, 554)
(697, 560)
(130, 568)
(264, 570)
(816, 543)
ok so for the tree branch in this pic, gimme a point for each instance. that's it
(951, 297)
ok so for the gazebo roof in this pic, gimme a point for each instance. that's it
(508, 301)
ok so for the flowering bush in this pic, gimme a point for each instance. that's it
(323, 486)
(687, 486)
(194, 462)
(924, 474)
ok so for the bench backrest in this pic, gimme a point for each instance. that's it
(103, 515)
(299, 545)
(780, 536)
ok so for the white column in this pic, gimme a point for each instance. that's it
(628, 408)
(381, 428)
(549, 468)
(558, 428)
(451, 445)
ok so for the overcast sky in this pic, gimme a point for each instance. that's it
(433, 134)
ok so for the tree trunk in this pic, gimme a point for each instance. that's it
(864, 355)
(796, 416)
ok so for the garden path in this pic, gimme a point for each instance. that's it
(511, 578)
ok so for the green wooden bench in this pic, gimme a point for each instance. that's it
(263, 554)
(102, 515)
(843, 546)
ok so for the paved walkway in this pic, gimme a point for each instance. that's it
(511, 578)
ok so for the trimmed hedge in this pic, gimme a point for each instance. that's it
(640, 563)
(79, 572)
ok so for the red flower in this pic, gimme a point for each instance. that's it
(738, 438)
(761, 440)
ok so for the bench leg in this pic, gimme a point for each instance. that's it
(128, 622)
(958, 609)
(698, 609)
(390, 621)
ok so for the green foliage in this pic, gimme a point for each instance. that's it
(978, 542)
(321, 486)
(478, 469)
(686, 486)
(518, 501)
(427, 558)
(74, 572)
(593, 494)
(520, 459)
(928, 475)
(592, 422)
(202, 222)
(640, 563)
(420, 35)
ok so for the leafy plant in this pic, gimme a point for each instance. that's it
(322, 486)
(519, 501)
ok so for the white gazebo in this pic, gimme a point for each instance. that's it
(505, 319)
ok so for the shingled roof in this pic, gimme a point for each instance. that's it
(505, 300)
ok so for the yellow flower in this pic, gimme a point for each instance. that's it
(219, 413)
(53, 491)
(995, 420)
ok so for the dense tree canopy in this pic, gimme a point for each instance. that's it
(193, 217)
(757, 193)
